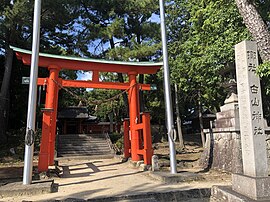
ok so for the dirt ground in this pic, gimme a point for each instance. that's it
(186, 158)
(85, 179)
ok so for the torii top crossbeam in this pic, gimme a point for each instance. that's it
(86, 64)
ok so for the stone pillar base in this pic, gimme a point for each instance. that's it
(226, 194)
(257, 188)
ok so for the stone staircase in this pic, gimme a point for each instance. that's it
(85, 145)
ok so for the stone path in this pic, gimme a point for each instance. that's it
(91, 179)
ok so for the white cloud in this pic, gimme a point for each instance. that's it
(84, 76)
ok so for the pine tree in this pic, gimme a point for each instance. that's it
(16, 30)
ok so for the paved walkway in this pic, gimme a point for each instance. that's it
(88, 179)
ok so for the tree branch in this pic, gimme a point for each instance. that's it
(256, 26)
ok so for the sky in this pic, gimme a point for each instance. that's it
(84, 75)
(88, 75)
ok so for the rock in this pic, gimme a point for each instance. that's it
(155, 164)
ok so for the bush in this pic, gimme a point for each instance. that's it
(118, 142)
(16, 143)
(115, 137)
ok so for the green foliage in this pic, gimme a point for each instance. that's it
(16, 30)
(104, 108)
(154, 101)
(120, 145)
(115, 137)
(118, 30)
(80, 26)
(16, 141)
(118, 141)
(16, 23)
(263, 70)
(123, 24)
(201, 42)
(263, 9)
(137, 51)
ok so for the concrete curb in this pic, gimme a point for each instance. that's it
(18, 189)
(226, 194)
(169, 178)
(184, 195)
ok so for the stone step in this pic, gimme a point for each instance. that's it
(68, 157)
(71, 153)
(84, 149)
(83, 145)
(84, 152)
(83, 136)
(81, 141)
(144, 199)
(74, 144)
(190, 195)
(77, 148)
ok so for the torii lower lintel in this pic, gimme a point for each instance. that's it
(97, 84)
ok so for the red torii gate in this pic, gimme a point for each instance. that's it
(137, 132)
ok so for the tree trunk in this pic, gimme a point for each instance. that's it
(178, 119)
(4, 95)
(256, 26)
(201, 119)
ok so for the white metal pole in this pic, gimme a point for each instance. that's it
(32, 98)
(167, 88)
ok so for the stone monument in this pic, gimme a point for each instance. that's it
(254, 183)
(223, 146)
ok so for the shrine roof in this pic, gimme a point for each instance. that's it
(88, 64)
(75, 112)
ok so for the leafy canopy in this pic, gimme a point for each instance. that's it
(202, 35)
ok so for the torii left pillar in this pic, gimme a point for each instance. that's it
(47, 145)
(134, 116)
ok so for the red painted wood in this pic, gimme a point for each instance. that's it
(91, 84)
(49, 122)
(134, 116)
(88, 66)
(127, 145)
(140, 133)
